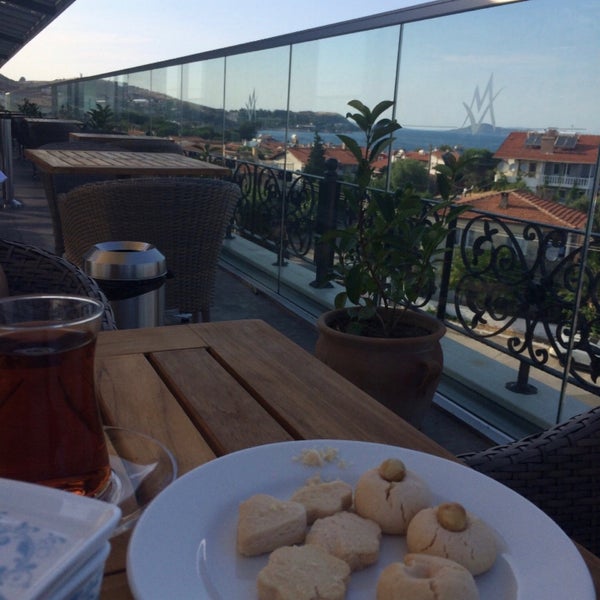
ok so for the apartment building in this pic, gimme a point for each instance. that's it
(551, 163)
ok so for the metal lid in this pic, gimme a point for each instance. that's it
(124, 261)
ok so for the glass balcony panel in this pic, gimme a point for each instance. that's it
(256, 98)
(89, 98)
(166, 105)
(326, 74)
(139, 91)
(120, 103)
(202, 92)
(462, 85)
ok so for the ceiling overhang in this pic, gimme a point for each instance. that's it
(22, 20)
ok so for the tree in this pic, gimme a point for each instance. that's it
(29, 109)
(100, 118)
(316, 159)
(409, 172)
(479, 169)
(247, 130)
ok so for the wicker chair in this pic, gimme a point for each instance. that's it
(558, 470)
(184, 217)
(32, 270)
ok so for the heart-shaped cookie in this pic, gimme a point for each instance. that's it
(266, 523)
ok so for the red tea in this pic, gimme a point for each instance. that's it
(50, 427)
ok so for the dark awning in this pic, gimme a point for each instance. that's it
(22, 20)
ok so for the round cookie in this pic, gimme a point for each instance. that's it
(449, 531)
(424, 577)
(391, 496)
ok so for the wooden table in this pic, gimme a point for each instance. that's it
(209, 389)
(128, 164)
(110, 164)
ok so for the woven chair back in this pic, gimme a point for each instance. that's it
(33, 270)
(184, 217)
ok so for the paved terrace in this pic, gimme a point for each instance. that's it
(235, 298)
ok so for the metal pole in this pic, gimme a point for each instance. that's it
(326, 220)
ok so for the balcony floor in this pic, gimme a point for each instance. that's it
(235, 299)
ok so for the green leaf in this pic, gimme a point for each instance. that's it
(386, 205)
(384, 128)
(358, 105)
(378, 148)
(381, 108)
(444, 186)
(354, 284)
(352, 145)
(340, 300)
(362, 121)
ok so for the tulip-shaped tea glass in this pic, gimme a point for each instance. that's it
(51, 432)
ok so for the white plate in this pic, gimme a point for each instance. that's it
(184, 545)
(46, 535)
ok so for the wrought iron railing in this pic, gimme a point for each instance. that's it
(513, 286)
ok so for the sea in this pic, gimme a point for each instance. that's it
(408, 139)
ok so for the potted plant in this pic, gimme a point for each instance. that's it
(386, 262)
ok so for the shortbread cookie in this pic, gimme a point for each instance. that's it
(324, 498)
(449, 531)
(391, 495)
(425, 577)
(303, 573)
(348, 536)
(266, 523)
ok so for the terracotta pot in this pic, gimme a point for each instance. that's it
(401, 373)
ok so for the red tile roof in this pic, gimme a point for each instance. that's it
(419, 155)
(585, 152)
(526, 206)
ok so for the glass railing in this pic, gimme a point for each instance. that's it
(464, 75)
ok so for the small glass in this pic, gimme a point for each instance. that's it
(51, 432)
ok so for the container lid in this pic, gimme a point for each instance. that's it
(46, 534)
(125, 260)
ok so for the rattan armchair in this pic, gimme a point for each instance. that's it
(184, 217)
(32, 270)
(558, 470)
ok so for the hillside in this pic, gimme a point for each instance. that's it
(36, 91)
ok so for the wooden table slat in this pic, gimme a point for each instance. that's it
(300, 389)
(149, 408)
(220, 405)
(116, 587)
(150, 339)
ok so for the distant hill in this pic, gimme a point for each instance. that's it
(36, 91)
(10, 85)
(484, 129)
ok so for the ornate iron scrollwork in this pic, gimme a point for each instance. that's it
(301, 205)
(525, 289)
(517, 283)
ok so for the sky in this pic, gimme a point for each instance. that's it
(539, 59)
(92, 37)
